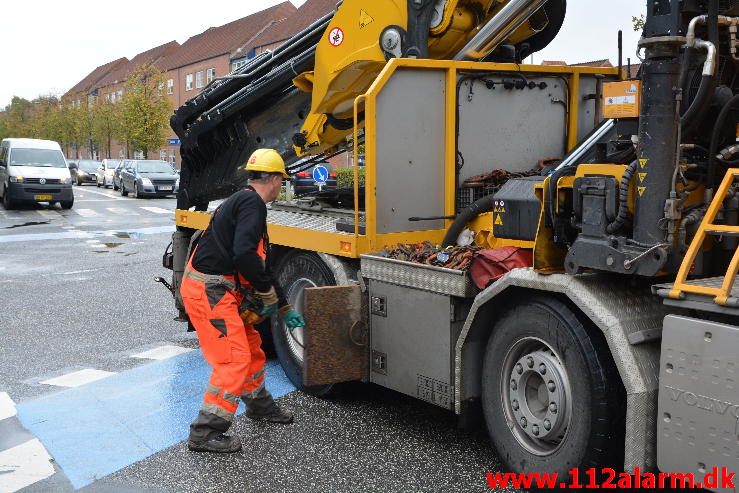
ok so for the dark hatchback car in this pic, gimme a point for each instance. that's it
(84, 171)
(148, 178)
(305, 181)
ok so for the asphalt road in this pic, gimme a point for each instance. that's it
(98, 382)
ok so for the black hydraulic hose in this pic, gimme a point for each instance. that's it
(551, 196)
(698, 108)
(623, 199)
(688, 56)
(481, 206)
(716, 141)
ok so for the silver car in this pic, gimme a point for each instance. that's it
(104, 173)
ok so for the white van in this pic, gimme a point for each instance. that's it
(33, 170)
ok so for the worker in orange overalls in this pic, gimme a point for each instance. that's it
(232, 255)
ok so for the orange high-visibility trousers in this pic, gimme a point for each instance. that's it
(231, 347)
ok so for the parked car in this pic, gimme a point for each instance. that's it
(84, 171)
(304, 182)
(104, 173)
(34, 170)
(148, 178)
(117, 174)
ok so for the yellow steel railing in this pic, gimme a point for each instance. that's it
(706, 228)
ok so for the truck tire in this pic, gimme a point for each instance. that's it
(300, 269)
(551, 393)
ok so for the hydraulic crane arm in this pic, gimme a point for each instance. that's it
(299, 98)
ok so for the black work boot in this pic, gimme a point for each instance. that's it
(261, 406)
(219, 444)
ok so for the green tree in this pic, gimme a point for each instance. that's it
(639, 22)
(106, 126)
(145, 110)
(18, 117)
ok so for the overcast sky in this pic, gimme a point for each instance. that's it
(47, 47)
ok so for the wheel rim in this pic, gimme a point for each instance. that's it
(296, 297)
(536, 394)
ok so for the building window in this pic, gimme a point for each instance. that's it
(120, 95)
(138, 155)
(171, 156)
(170, 86)
(237, 65)
(111, 98)
(162, 154)
(188, 82)
(199, 80)
(210, 75)
(107, 98)
(121, 153)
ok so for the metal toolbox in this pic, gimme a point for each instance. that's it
(415, 310)
(424, 277)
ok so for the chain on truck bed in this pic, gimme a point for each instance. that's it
(457, 258)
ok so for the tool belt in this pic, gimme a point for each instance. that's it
(211, 279)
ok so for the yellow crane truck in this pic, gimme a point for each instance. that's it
(619, 345)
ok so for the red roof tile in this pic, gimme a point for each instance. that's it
(155, 56)
(596, 63)
(225, 39)
(96, 75)
(308, 13)
(553, 62)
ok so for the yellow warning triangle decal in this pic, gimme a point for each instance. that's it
(642, 190)
(643, 162)
(642, 177)
(498, 220)
(365, 19)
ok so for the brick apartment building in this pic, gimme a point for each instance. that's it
(189, 67)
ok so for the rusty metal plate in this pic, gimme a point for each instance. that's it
(336, 336)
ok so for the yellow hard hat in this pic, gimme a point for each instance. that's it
(267, 161)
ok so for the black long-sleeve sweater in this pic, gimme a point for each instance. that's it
(241, 224)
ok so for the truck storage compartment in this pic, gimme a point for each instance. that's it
(415, 310)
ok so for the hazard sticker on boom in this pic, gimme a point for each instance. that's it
(336, 36)
(365, 19)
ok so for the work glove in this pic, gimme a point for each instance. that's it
(269, 301)
(293, 319)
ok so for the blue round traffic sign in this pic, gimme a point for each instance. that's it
(320, 174)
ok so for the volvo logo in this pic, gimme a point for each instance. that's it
(42, 181)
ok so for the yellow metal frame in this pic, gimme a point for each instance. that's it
(353, 245)
(720, 294)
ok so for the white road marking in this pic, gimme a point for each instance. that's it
(92, 242)
(49, 214)
(112, 197)
(121, 210)
(162, 352)
(77, 378)
(157, 210)
(24, 465)
(7, 406)
(86, 212)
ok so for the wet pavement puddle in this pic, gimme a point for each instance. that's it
(77, 234)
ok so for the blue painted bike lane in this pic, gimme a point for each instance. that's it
(104, 426)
